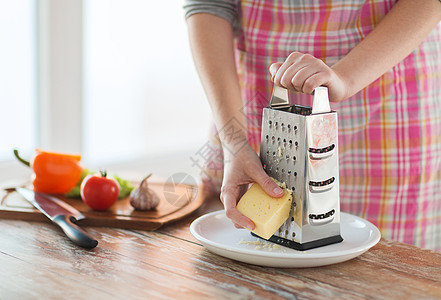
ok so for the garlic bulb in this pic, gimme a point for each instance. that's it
(143, 198)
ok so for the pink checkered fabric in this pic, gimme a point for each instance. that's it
(389, 133)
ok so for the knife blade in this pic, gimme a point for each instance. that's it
(62, 214)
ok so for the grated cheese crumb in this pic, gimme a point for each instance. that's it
(261, 245)
(250, 242)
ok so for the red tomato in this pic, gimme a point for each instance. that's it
(98, 191)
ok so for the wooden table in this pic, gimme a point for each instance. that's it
(38, 262)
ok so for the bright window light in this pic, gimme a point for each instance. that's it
(142, 95)
(18, 94)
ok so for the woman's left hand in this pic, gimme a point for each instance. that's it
(303, 73)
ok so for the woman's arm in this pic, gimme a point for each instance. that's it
(211, 40)
(396, 36)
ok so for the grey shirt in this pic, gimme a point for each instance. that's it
(227, 9)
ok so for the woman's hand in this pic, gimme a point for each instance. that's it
(241, 169)
(303, 73)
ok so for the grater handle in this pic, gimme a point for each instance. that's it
(279, 98)
(321, 100)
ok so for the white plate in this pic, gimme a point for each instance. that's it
(218, 234)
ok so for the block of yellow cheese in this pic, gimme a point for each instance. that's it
(267, 213)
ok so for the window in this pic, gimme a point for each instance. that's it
(115, 80)
(141, 94)
(18, 79)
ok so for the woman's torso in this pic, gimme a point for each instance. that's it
(389, 133)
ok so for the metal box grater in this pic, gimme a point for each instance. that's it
(299, 147)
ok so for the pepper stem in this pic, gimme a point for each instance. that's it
(23, 161)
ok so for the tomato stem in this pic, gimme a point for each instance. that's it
(25, 162)
(103, 173)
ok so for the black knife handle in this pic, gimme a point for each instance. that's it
(74, 232)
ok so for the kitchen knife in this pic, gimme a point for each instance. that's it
(61, 214)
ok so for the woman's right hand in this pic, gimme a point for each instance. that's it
(241, 169)
(302, 73)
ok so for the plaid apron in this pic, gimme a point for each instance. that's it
(389, 133)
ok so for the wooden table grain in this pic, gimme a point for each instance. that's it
(38, 262)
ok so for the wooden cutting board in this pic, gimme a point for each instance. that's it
(177, 201)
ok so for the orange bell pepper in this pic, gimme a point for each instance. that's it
(55, 173)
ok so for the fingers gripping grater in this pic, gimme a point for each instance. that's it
(299, 147)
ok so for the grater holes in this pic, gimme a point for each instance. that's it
(322, 183)
(296, 143)
(289, 172)
(322, 150)
(293, 189)
(294, 158)
(295, 173)
(322, 216)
